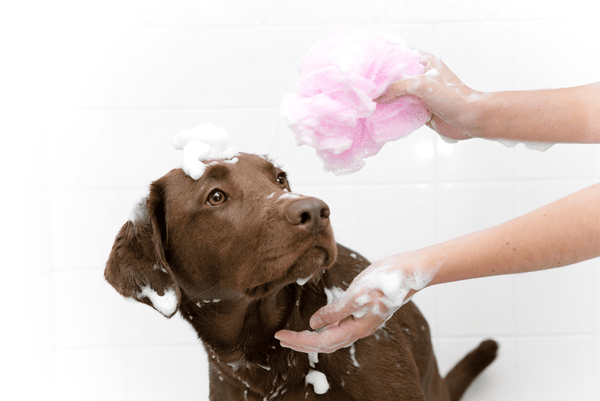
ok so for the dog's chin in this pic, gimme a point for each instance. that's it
(307, 265)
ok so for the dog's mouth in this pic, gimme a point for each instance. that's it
(306, 266)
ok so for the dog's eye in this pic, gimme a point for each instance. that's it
(282, 179)
(217, 197)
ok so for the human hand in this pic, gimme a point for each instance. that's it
(370, 300)
(451, 103)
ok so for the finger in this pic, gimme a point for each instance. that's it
(447, 140)
(326, 341)
(446, 130)
(395, 90)
(305, 341)
(429, 60)
(430, 125)
(331, 314)
(334, 337)
(432, 62)
(331, 339)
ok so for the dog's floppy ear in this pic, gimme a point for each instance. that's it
(137, 267)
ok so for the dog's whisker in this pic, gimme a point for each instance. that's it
(280, 156)
(198, 297)
(273, 143)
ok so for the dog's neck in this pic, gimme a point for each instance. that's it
(238, 335)
(243, 329)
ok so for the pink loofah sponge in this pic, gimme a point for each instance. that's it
(334, 111)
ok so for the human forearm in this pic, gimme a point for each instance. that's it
(561, 233)
(569, 115)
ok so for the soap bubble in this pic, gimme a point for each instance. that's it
(202, 143)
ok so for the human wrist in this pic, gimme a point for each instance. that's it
(476, 115)
(397, 277)
(420, 268)
(437, 261)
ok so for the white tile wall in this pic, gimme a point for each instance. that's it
(552, 289)
(79, 221)
(556, 368)
(102, 370)
(82, 297)
(81, 149)
(541, 44)
(498, 382)
(96, 92)
(491, 70)
(394, 219)
(165, 373)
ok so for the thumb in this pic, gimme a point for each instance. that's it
(399, 88)
(330, 314)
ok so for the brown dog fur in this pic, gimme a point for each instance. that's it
(228, 249)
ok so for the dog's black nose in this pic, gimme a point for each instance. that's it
(310, 213)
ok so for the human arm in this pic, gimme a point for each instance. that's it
(566, 115)
(561, 233)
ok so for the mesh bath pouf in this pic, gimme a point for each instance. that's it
(334, 111)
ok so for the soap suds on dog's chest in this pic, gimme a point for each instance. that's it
(353, 356)
(314, 377)
(333, 294)
(318, 381)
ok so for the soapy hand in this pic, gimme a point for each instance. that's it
(450, 101)
(336, 325)
(370, 300)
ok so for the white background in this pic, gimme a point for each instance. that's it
(92, 93)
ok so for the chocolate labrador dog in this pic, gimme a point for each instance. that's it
(232, 252)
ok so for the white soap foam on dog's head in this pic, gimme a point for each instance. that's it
(202, 143)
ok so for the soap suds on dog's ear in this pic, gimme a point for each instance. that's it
(165, 304)
(139, 212)
(202, 143)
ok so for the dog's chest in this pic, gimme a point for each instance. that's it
(285, 388)
(289, 376)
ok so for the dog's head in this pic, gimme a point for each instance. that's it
(237, 231)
